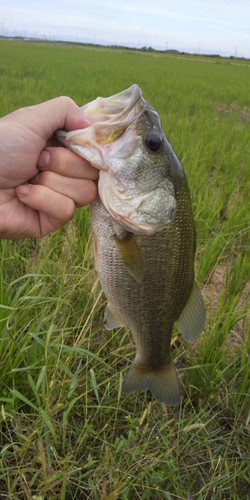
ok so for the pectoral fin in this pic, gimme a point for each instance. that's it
(111, 320)
(130, 254)
(192, 319)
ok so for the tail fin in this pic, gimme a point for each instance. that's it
(163, 383)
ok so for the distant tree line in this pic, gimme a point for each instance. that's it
(124, 47)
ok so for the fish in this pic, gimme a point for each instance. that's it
(144, 236)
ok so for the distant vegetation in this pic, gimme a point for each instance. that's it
(67, 432)
(123, 47)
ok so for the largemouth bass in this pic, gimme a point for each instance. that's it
(144, 235)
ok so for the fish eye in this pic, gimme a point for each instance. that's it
(153, 142)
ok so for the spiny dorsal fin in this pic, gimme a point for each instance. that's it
(192, 319)
(130, 254)
(111, 320)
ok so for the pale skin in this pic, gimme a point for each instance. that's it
(41, 183)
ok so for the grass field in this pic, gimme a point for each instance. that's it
(67, 432)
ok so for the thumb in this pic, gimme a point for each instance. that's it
(61, 112)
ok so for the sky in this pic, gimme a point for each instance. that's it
(201, 26)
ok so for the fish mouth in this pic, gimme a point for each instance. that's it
(108, 118)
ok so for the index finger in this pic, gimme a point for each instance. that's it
(65, 162)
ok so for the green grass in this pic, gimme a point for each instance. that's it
(67, 432)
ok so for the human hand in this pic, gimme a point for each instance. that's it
(40, 188)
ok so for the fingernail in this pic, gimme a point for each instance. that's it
(44, 159)
(22, 190)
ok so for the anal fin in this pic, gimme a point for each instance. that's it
(192, 319)
(111, 319)
(163, 383)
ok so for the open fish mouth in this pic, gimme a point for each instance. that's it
(108, 119)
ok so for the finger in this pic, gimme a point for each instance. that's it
(57, 206)
(65, 162)
(81, 191)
